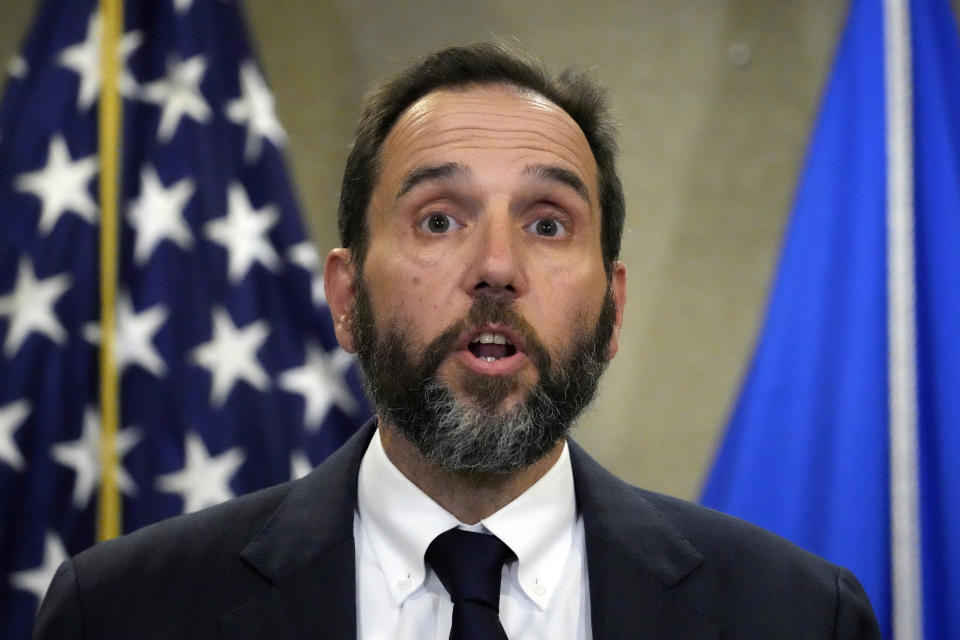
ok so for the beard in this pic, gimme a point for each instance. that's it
(483, 436)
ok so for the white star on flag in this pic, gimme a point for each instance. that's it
(319, 380)
(299, 464)
(182, 6)
(255, 109)
(135, 334)
(204, 480)
(157, 214)
(18, 67)
(84, 58)
(83, 456)
(12, 416)
(231, 355)
(61, 185)
(243, 232)
(30, 308)
(179, 95)
(38, 579)
(304, 255)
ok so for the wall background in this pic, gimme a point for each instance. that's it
(716, 100)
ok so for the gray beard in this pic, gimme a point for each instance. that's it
(468, 438)
(478, 437)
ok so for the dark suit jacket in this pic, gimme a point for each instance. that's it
(280, 564)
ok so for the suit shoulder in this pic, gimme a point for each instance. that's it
(719, 533)
(220, 531)
(746, 580)
(171, 579)
(748, 564)
(622, 511)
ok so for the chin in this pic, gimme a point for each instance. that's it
(495, 394)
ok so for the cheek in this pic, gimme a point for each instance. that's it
(579, 278)
(569, 306)
(409, 292)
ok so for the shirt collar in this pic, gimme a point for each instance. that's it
(401, 521)
(538, 526)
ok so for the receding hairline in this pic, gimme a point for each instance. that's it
(519, 91)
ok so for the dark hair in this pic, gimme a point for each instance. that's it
(479, 64)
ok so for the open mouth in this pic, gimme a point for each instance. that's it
(491, 346)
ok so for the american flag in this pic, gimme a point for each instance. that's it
(231, 379)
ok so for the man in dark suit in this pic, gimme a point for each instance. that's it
(479, 284)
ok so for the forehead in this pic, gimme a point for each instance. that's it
(497, 122)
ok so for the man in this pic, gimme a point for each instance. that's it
(479, 284)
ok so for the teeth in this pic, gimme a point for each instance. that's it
(490, 359)
(488, 337)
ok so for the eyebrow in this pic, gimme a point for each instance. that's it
(449, 170)
(559, 175)
(430, 173)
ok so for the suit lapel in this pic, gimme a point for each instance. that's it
(318, 601)
(637, 561)
(305, 551)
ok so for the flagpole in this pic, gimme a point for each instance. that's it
(110, 119)
(904, 487)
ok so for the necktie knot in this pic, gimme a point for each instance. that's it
(469, 566)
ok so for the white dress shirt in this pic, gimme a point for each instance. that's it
(543, 594)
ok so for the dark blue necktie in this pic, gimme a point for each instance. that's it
(469, 566)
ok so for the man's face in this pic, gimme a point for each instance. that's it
(483, 276)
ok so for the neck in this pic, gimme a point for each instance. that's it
(470, 497)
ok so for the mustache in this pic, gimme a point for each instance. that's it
(487, 311)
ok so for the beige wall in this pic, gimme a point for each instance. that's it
(711, 149)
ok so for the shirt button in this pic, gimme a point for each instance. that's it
(539, 589)
(404, 585)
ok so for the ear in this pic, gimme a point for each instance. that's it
(338, 272)
(618, 286)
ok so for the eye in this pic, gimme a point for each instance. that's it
(547, 227)
(439, 223)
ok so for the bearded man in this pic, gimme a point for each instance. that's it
(479, 284)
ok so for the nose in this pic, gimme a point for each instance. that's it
(497, 268)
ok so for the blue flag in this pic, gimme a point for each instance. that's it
(231, 379)
(813, 449)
